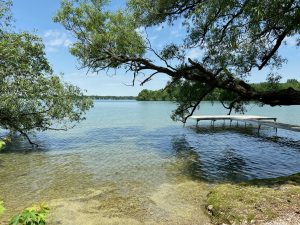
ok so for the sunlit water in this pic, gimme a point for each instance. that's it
(129, 163)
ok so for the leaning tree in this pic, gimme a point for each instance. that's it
(236, 37)
(32, 98)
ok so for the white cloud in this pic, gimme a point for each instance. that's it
(55, 39)
(145, 34)
(292, 41)
(159, 28)
(142, 31)
(153, 38)
(194, 54)
(176, 33)
(180, 26)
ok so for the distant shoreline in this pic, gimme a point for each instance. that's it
(94, 97)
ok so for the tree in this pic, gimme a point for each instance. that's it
(32, 98)
(5, 15)
(235, 36)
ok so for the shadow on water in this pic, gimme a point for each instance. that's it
(193, 167)
(267, 134)
(232, 165)
(224, 154)
(239, 154)
(282, 141)
(200, 163)
(22, 146)
(293, 179)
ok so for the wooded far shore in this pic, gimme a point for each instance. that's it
(170, 93)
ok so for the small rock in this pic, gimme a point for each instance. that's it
(210, 207)
(253, 221)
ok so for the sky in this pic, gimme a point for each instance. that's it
(36, 16)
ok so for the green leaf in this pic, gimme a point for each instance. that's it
(2, 209)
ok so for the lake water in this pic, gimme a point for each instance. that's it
(129, 163)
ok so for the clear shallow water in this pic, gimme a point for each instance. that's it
(128, 161)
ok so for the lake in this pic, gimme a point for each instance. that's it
(129, 163)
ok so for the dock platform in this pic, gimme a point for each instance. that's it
(260, 120)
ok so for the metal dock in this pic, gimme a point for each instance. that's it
(260, 120)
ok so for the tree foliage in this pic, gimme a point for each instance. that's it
(5, 14)
(173, 93)
(112, 33)
(32, 98)
(235, 37)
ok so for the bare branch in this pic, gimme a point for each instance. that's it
(28, 139)
(148, 78)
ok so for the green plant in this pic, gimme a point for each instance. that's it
(35, 215)
(2, 209)
(2, 144)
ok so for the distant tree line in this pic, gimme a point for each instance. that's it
(97, 97)
(174, 92)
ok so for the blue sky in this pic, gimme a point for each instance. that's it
(36, 16)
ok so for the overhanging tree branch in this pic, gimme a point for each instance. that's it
(235, 37)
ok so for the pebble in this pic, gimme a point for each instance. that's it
(210, 207)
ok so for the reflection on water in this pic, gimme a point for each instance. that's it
(140, 168)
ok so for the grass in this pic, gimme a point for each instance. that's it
(255, 201)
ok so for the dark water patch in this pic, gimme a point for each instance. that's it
(283, 141)
(22, 146)
(231, 154)
(238, 155)
(192, 160)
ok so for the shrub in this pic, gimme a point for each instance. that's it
(35, 215)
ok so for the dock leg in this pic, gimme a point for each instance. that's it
(245, 124)
(230, 123)
(197, 123)
(258, 129)
(275, 127)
